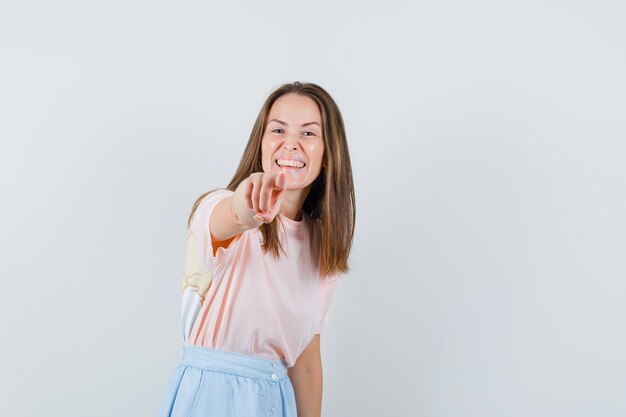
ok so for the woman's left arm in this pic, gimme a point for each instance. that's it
(306, 378)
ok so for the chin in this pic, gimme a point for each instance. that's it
(295, 185)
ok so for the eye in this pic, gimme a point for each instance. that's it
(312, 133)
(276, 129)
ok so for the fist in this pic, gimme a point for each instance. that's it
(257, 198)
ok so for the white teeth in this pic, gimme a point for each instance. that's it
(289, 163)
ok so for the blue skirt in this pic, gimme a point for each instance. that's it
(216, 383)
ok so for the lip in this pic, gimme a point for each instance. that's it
(289, 159)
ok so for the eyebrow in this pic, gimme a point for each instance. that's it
(285, 124)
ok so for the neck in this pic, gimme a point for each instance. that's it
(291, 204)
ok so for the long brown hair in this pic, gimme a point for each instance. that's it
(330, 202)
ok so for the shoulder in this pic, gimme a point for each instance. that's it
(212, 197)
(330, 278)
(216, 193)
(204, 205)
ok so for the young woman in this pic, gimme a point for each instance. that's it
(264, 256)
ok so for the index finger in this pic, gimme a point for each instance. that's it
(279, 181)
(269, 189)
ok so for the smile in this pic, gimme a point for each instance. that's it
(289, 163)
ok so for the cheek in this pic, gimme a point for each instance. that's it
(317, 153)
(266, 155)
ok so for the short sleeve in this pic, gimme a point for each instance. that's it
(327, 290)
(199, 230)
(200, 263)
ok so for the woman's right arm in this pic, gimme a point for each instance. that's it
(260, 193)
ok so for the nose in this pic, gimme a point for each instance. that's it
(291, 142)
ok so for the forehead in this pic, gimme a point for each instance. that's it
(296, 110)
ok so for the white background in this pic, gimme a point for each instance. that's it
(488, 146)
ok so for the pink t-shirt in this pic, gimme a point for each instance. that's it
(243, 300)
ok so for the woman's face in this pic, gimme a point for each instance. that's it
(293, 136)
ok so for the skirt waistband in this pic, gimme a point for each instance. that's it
(234, 363)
